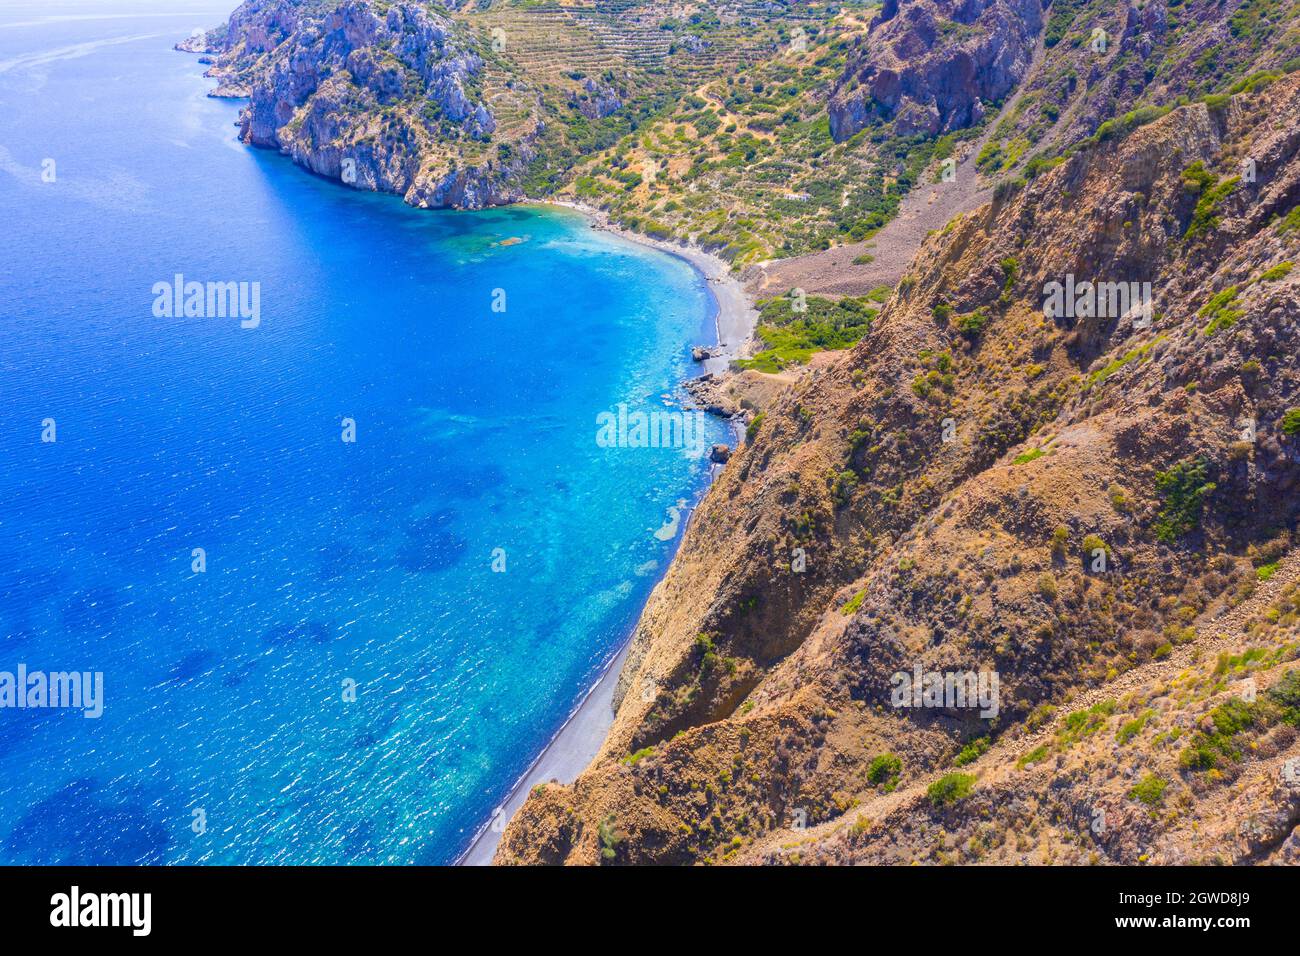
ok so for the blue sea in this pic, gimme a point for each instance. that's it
(350, 677)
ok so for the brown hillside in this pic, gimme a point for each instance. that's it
(756, 699)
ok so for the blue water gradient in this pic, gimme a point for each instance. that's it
(326, 561)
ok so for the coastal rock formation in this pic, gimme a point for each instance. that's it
(934, 66)
(1095, 504)
(384, 97)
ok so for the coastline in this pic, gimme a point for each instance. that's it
(580, 737)
(583, 733)
(735, 319)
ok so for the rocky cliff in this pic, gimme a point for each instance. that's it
(1095, 504)
(934, 66)
(381, 96)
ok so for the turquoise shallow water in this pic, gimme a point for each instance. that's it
(327, 561)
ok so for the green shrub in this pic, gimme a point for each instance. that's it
(1091, 545)
(973, 323)
(1228, 720)
(1221, 310)
(1182, 490)
(1034, 756)
(950, 788)
(1059, 538)
(1291, 422)
(792, 337)
(609, 838)
(1210, 192)
(845, 483)
(1009, 269)
(1150, 790)
(1134, 727)
(972, 752)
(636, 757)
(885, 770)
(1062, 14)
(1085, 723)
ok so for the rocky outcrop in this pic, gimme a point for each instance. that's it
(934, 66)
(382, 97)
(597, 100)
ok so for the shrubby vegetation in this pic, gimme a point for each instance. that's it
(1182, 490)
(950, 788)
(792, 337)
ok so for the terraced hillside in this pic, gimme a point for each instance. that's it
(745, 164)
(762, 131)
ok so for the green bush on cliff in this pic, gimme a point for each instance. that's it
(1221, 310)
(1235, 717)
(973, 323)
(609, 838)
(851, 606)
(971, 752)
(1150, 790)
(1210, 192)
(1010, 266)
(885, 770)
(1182, 490)
(1208, 748)
(950, 788)
(1063, 13)
(637, 756)
(1133, 727)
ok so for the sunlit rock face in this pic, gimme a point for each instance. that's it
(932, 65)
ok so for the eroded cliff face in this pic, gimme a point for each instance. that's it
(1096, 506)
(933, 66)
(385, 97)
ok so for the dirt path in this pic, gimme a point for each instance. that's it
(928, 207)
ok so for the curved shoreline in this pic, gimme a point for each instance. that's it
(583, 732)
(735, 318)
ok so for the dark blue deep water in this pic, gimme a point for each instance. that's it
(327, 561)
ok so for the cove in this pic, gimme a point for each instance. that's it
(345, 678)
